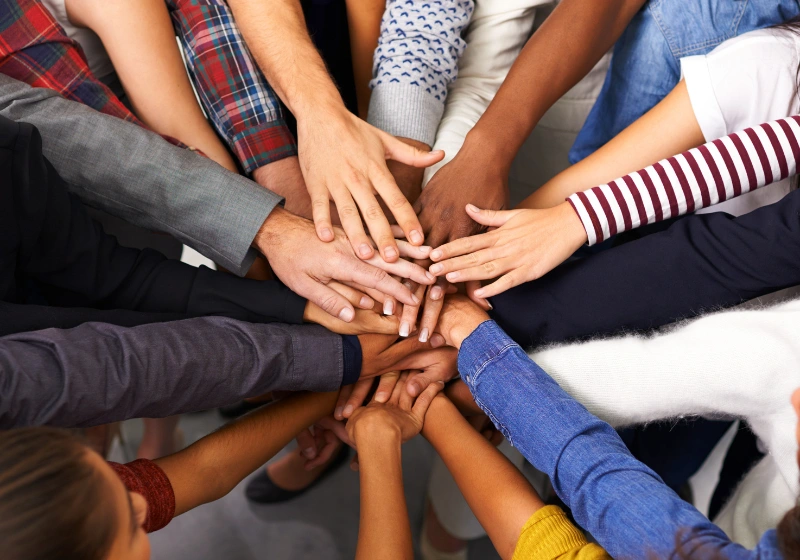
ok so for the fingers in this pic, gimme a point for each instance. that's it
(344, 394)
(404, 153)
(424, 401)
(492, 218)
(372, 275)
(386, 386)
(408, 319)
(513, 278)
(432, 309)
(473, 286)
(376, 222)
(463, 246)
(357, 298)
(360, 391)
(404, 269)
(399, 389)
(330, 301)
(307, 444)
(437, 341)
(484, 271)
(398, 205)
(321, 213)
(351, 222)
(330, 446)
(410, 251)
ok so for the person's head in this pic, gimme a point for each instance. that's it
(59, 499)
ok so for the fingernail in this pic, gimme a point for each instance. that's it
(408, 285)
(424, 249)
(436, 268)
(479, 292)
(437, 341)
(437, 254)
(404, 329)
(429, 276)
(366, 302)
(436, 293)
(381, 397)
(423, 336)
(416, 236)
(388, 307)
(309, 453)
(413, 389)
(338, 413)
(452, 276)
(440, 383)
(364, 250)
(348, 410)
(490, 305)
(415, 299)
(346, 314)
(327, 234)
(472, 208)
(390, 253)
(437, 152)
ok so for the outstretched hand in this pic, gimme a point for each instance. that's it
(343, 159)
(526, 245)
(307, 266)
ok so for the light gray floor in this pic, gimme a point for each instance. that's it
(320, 525)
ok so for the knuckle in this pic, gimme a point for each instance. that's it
(373, 212)
(396, 201)
(348, 211)
(328, 303)
(489, 267)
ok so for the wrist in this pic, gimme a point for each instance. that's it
(575, 232)
(375, 430)
(484, 146)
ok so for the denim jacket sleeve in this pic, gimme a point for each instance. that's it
(619, 500)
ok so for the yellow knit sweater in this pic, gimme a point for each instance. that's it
(549, 535)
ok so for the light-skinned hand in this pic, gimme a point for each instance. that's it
(343, 159)
(526, 245)
(307, 265)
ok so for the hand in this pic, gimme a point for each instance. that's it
(465, 180)
(526, 245)
(402, 414)
(459, 318)
(366, 321)
(428, 366)
(306, 265)
(344, 159)
(380, 353)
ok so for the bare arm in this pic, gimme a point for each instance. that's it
(497, 493)
(364, 21)
(668, 128)
(341, 157)
(152, 74)
(210, 468)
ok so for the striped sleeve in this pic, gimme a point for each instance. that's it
(712, 173)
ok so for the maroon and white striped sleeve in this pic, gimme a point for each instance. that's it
(714, 172)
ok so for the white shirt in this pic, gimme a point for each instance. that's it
(746, 81)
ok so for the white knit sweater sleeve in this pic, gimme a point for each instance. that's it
(743, 364)
(497, 33)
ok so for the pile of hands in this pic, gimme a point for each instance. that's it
(394, 269)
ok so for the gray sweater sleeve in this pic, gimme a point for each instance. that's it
(416, 60)
(98, 373)
(135, 174)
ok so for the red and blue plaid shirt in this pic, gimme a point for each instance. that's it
(35, 49)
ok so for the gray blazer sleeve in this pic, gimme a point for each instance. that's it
(98, 373)
(135, 174)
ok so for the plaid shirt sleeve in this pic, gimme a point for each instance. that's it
(242, 106)
(35, 49)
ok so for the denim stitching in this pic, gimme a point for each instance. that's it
(489, 360)
(676, 52)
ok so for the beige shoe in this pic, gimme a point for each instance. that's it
(428, 552)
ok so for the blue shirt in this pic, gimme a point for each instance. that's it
(619, 500)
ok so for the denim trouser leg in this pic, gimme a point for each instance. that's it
(646, 62)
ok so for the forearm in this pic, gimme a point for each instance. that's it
(276, 34)
(714, 172)
(364, 23)
(213, 466)
(157, 370)
(701, 262)
(384, 530)
(609, 492)
(495, 490)
(119, 167)
(569, 43)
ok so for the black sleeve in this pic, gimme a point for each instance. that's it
(78, 265)
(700, 263)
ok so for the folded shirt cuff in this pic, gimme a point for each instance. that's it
(351, 359)
(405, 111)
(262, 144)
(695, 72)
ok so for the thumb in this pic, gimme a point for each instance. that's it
(425, 399)
(329, 300)
(494, 218)
(404, 153)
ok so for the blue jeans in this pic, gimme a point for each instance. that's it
(646, 62)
